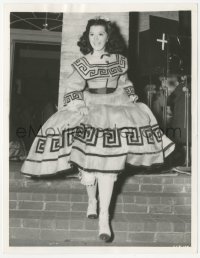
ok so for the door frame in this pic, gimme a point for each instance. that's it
(30, 36)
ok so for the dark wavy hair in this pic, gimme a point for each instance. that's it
(116, 43)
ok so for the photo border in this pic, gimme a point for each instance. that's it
(49, 7)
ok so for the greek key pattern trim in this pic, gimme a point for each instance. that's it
(74, 95)
(40, 146)
(90, 71)
(158, 133)
(86, 134)
(107, 138)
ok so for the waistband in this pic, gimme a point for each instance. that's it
(102, 90)
(118, 97)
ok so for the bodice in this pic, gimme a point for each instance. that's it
(100, 76)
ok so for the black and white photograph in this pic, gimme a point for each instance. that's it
(100, 129)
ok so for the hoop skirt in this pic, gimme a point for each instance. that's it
(115, 131)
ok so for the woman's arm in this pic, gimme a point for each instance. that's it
(124, 81)
(128, 87)
(73, 96)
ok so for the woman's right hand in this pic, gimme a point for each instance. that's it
(83, 111)
(134, 98)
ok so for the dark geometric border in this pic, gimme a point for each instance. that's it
(111, 138)
(132, 132)
(148, 134)
(55, 145)
(89, 71)
(157, 132)
(40, 145)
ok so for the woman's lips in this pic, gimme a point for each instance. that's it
(96, 43)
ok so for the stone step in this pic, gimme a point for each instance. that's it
(76, 200)
(145, 183)
(146, 210)
(139, 183)
(132, 177)
(39, 193)
(157, 178)
(128, 228)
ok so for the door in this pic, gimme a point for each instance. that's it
(34, 88)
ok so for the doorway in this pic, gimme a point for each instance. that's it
(34, 88)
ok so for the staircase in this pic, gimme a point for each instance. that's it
(146, 210)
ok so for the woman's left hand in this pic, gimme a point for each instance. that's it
(134, 98)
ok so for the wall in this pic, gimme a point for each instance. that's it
(144, 18)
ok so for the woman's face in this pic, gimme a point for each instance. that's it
(98, 37)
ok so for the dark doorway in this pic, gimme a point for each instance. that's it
(34, 85)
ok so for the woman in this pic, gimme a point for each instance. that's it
(99, 129)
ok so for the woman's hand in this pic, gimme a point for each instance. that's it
(83, 111)
(134, 98)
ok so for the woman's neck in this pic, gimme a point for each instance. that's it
(98, 53)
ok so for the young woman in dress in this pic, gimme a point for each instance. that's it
(101, 127)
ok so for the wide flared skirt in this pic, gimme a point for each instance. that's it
(115, 132)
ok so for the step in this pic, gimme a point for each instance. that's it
(170, 183)
(165, 194)
(146, 210)
(127, 228)
(179, 184)
(76, 200)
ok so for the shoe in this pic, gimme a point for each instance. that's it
(92, 209)
(104, 228)
(182, 170)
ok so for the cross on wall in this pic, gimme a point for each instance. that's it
(163, 41)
